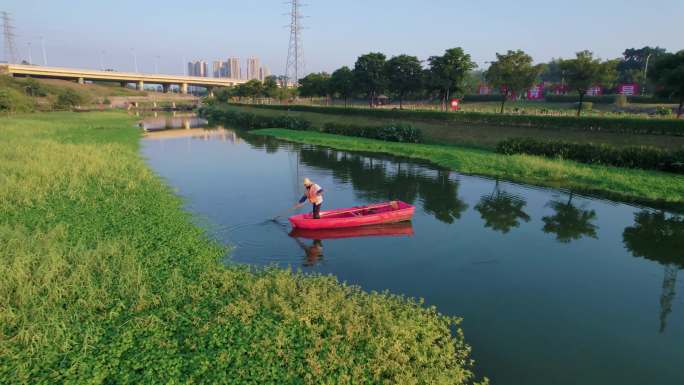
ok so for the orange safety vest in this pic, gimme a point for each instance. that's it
(311, 193)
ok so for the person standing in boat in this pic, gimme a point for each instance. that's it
(314, 194)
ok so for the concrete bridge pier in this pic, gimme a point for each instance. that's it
(210, 92)
(165, 88)
(81, 81)
(141, 85)
(184, 88)
(123, 84)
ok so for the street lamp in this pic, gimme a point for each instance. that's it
(135, 60)
(643, 86)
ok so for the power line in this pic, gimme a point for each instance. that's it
(9, 35)
(295, 55)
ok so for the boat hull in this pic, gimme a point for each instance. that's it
(387, 212)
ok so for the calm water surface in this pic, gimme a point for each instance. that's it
(554, 288)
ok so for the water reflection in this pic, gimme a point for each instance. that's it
(502, 211)
(382, 179)
(659, 237)
(159, 122)
(401, 229)
(569, 221)
(313, 252)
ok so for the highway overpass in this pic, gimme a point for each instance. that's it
(124, 78)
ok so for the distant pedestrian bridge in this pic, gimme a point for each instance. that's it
(125, 78)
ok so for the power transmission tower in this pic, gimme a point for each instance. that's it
(8, 33)
(295, 56)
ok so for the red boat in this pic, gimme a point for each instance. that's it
(387, 212)
(401, 229)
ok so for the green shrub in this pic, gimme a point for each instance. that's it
(630, 157)
(392, 132)
(619, 124)
(106, 101)
(586, 106)
(68, 99)
(638, 99)
(663, 111)
(481, 98)
(35, 88)
(12, 101)
(249, 121)
(602, 99)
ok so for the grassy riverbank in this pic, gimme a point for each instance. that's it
(485, 136)
(106, 280)
(624, 184)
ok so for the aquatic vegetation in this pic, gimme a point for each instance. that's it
(106, 280)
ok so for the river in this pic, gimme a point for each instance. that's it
(553, 287)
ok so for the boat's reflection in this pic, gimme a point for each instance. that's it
(314, 250)
(400, 229)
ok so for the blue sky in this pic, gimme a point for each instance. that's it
(77, 32)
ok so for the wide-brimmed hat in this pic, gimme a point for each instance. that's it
(307, 182)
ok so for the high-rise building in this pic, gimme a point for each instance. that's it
(253, 66)
(198, 68)
(234, 68)
(264, 73)
(220, 69)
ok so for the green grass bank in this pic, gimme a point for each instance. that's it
(106, 280)
(630, 185)
(459, 132)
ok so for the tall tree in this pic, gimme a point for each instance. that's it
(404, 76)
(270, 86)
(448, 72)
(512, 73)
(584, 72)
(251, 89)
(635, 62)
(315, 84)
(342, 83)
(551, 71)
(223, 94)
(668, 76)
(369, 75)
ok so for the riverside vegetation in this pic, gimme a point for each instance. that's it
(632, 185)
(106, 280)
(26, 95)
(452, 131)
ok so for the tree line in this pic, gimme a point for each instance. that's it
(454, 74)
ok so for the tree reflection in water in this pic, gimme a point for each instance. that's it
(660, 238)
(569, 222)
(383, 178)
(502, 211)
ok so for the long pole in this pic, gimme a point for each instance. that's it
(135, 60)
(643, 86)
(30, 57)
(42, 47)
